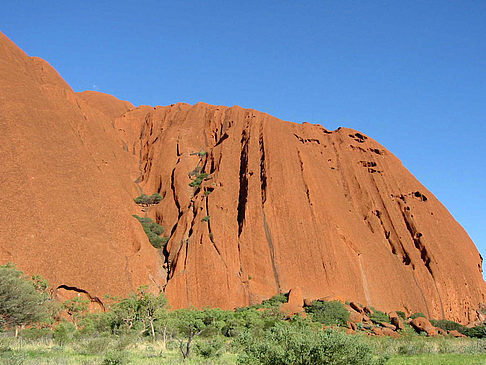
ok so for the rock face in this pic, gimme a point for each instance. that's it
(66, 195)
(295, 205)
(283, 206)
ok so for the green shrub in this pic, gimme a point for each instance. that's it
(95, 346)
(477, 331)
(64, 333)
(274, 301)
(35, 334)
(449, 325)
(329, 313)
(379, 317)
(416, 315)
(115, 358)
(206, 219)
(401, 315)
(199, 179)
(144, 199)
(13, 358)
(298, 344)
(210, 348)
(153, 231)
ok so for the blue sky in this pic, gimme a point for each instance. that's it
(411, 74)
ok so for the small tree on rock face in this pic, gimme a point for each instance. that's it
(146, 200)
(20, 302)
(153, 231)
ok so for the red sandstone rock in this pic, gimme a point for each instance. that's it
(66, 193)
(441, 332)
(105, 103)
(308, 302)
(295, 302)
(356, 307)
(387, 325)
(378, 331)
(423, 324)
(291, 205)
(389, 332)
(397, 322)
(351, 325)
(456, 333)
(367, 310)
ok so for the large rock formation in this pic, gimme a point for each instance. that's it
(66, 193)
(331, 214)
(297, 206)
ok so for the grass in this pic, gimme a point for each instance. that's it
(439, 359)
(47, 352)
(405, 350)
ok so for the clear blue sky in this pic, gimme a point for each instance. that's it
(411, 74)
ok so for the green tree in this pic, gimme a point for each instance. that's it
(150, 309)
(77, 308)
(123, 314)
(146, 200)
(187, 324)
(20, 302)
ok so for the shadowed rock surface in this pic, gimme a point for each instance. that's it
(330, 214)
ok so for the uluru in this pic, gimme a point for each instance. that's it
(252, 205)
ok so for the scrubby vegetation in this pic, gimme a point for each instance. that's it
(198, 179)
(416, 315)
(299, 342)
(379, 317)
(140, 329)
(153, 231)
(329, 313)
(146, 200)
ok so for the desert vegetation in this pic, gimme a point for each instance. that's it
(153, 231)
(141, 329)
(146, 200)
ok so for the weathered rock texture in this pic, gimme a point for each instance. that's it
(66, 194)
(286, 206)
(297, 206)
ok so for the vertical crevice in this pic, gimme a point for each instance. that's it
(417, 240)
(263, 172)
(243, 177)
(307, 191)
(174, 194)
(424, 254)
(263, 193)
